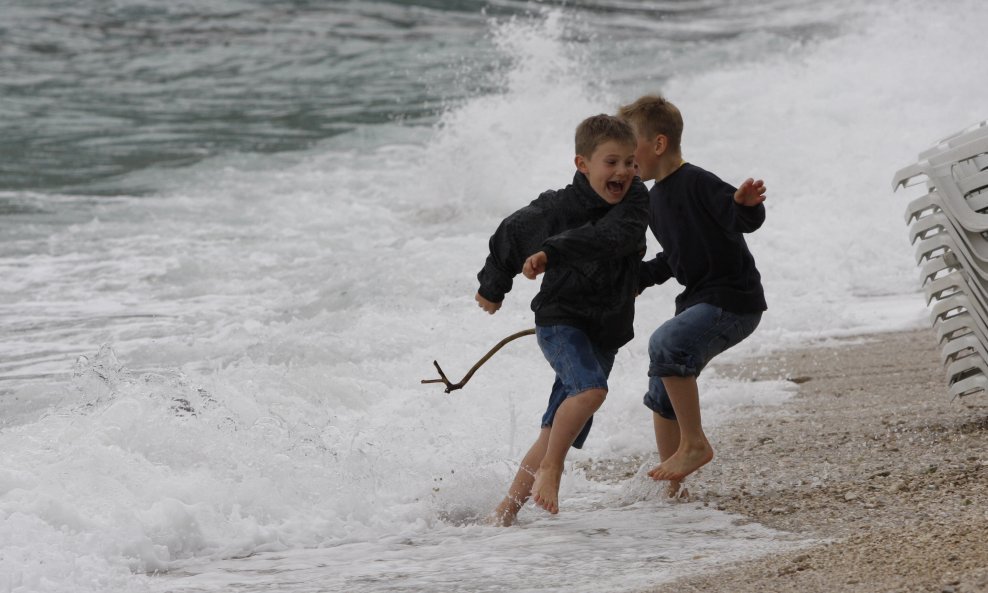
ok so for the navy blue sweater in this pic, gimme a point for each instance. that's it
(693, 215)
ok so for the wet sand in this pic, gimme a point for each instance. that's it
(872, 456)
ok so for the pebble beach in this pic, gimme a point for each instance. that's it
(871, 456)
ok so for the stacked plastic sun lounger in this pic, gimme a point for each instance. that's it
(948, 227)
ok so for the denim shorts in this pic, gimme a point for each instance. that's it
(682, 346)
(579, 364)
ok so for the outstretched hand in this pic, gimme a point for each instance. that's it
(751, 193)
(490, 306)
(534, 265)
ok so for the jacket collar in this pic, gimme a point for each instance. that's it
(582, 185)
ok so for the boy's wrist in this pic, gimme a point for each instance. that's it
(551, 255)
(482, 291)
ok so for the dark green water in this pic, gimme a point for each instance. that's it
(92, 91)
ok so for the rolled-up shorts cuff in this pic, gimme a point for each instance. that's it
(682, 347)
(670, 369)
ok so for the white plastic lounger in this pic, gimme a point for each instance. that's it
(957, 288)
(937, 233)
(948, 228)
(963, 367)
(953, 174)
(969, 386)
(955, 310)
(920, 207)
(937, 266)
(955, 326)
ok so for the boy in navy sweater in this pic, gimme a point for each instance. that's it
(699, 221)
(588, 239)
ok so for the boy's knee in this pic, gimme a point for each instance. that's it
(664, 350)
(598, 394)
(660, 404)
(657, 344)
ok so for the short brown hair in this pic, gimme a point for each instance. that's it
(597, 129)
(652, 115)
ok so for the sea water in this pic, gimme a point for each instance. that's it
(234, 236)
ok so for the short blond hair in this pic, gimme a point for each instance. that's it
(597, 129)
(652, 115)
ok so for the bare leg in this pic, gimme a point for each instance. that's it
(694, 450)
(569, 421)
(521, 487)
(667, 441)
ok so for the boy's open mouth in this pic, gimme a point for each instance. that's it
(615, 186)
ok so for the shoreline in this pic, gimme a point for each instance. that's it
(871, 456)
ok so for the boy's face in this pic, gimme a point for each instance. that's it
(647, 155)
(610, 169)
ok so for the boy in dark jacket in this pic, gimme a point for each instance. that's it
(588, 238)
(699, 221)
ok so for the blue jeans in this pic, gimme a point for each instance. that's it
(682, 346)
(579, 364)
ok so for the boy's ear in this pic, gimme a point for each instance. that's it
(581, 164)
(661, 144)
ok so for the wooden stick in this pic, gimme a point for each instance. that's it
(454, 386)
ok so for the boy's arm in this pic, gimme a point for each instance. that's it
(652, 272)
(739, 210)
(518, 236)
(619, 232)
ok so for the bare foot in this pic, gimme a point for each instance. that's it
(672, 490)
(684, 462)
(545, 490)
(682, 496)
(505, 513)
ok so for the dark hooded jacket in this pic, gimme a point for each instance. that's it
(593, 251)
